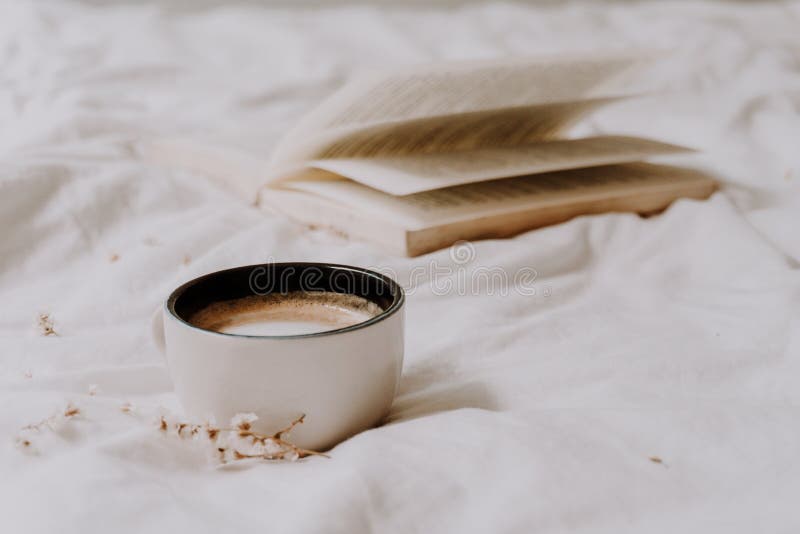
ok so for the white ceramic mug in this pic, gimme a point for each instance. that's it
(343, 380)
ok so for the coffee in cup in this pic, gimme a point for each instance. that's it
(285, 314)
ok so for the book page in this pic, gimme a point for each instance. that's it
(473, 201)
(451, 88)
(405, 175)
(464, 131)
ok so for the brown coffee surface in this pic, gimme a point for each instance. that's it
(292, 313)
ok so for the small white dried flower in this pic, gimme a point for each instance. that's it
(183, 429)
(242, 421)
(46, 325)
(162, 423)
(272, 447)
(23, 443)
(240, 443)
(255, 448)
(227, 454)
(290, 455)
(212, 433)
(216, 455)
(93, 390)
(70, 410)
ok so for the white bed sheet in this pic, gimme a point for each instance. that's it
(673, 337)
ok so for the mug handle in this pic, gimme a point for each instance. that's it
(157, 329)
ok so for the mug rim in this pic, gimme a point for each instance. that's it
(394, 287)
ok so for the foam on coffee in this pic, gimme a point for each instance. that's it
(279, 314)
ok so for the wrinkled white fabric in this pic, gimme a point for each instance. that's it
(673, 337)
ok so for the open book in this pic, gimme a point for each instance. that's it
(417, 159)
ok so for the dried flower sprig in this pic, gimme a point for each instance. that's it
(226, 444)
(25, 441)
(240, 441)
(69, 411)
(46, 325)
